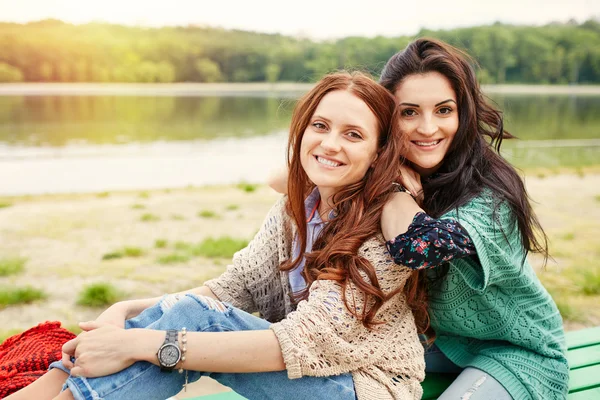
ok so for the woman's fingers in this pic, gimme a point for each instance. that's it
(90, 325)
(68, 351)
(77, 371)
(66, 360)
(411, 180)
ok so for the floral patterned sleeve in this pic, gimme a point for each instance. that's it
(430, 242)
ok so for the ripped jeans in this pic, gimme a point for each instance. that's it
(471, 383)
(144, 380)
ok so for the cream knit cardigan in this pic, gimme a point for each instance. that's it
(320, 337)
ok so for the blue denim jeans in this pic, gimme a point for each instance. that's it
(471, 383)
(145, 381)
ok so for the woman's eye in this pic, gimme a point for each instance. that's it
(445, 110)
(409, 112)
(355, 135)
(319, 125)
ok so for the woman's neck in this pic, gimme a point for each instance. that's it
(325, 205)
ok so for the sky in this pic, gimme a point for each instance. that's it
(315, 19)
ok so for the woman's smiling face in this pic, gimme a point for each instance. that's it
(429, 116)
(340, 142)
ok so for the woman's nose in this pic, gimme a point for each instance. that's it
(331, 142)
(427, 127)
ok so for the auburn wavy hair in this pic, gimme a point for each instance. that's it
(358, 206)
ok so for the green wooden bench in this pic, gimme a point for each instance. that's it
(584, 362)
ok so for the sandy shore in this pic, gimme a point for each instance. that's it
(63, 238)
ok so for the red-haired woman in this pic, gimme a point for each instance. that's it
(335, 323)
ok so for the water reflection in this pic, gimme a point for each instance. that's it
(61, 120)
(97, 143)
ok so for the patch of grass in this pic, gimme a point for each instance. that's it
(133, 251)
(4, 204)
(224, 247)
(138, 206)
(232, 207)
(149, 218)
(98, 295)
(144, 195)
(568, 236)
(177, 217)
(173, 258)
(127, 251)
(25, 295)
(12, 266)
(590, 282)
(207, 214)
(183, 246)
(103, 195)
(160, 243)
(247, 187)
(113, 255)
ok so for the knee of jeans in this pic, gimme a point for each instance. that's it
(170, 301)
(210, 303)
(474, 387)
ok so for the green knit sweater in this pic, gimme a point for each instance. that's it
(494, 314)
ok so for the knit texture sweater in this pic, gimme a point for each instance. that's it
(491, 312)
(321, 337)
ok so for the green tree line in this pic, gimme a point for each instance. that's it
(53, 51)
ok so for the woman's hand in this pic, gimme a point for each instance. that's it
(411, 180)
(103, 350)
(278, 180)
(113, 315)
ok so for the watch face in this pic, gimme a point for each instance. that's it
(169, 355)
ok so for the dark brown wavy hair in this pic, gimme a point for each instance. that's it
(358, 206)
(473, 161)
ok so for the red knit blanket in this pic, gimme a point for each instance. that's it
(26, 356)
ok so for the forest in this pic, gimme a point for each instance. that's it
(54, 51)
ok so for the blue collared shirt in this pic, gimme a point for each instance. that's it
(314, 226)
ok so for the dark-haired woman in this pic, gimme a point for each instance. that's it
(335, 323)
(469, 233)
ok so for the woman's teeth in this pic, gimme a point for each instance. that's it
(328, 162)
(427, 144)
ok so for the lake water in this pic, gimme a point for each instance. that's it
(52, 144)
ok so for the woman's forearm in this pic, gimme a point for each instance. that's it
(242, 351)
(398, 214)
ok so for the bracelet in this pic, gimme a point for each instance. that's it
(398, 187)
(183, 351)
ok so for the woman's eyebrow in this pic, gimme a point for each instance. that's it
(438, 104)
(445, 101)
(321, 117)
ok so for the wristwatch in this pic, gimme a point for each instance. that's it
(169, 353)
